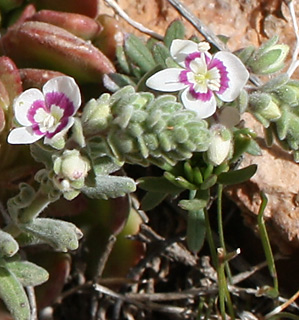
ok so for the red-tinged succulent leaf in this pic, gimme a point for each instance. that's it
(26, 14)
(89, 8)
(82, 26)
(4, 97)
(110, 37)
(37, 44)
(58, 265)
(2, 119)
(10, 77)
(36, 78)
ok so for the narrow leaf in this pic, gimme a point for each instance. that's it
(110, 187)
(138, 53)
(176, 30)
(13, 295)
(196, 230)
(237, 176)
(28, 273)
(158, 184)
(61, 235)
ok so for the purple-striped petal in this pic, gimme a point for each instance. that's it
(237, 75)
(23, 104)
(67, 86)
(204, 109)
(179, 49)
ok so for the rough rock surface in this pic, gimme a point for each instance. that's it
(244, 22)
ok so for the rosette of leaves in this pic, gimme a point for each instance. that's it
(137, 128)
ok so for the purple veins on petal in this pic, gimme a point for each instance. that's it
(36, 105)
(62, 101)
(224, 79)
(203, 96)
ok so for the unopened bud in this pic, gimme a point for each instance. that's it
(70, 171)
(269, 58)
(265, 106)
(220, 147)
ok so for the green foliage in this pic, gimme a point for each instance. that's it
(13, 295)
(144, 130)
(60, 235)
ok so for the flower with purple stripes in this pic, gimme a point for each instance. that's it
(47, 114)
(201, 77)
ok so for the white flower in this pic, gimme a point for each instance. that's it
(201, 77)
(46, 114)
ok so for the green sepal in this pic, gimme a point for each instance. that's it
(105, 187)
(196, 230)
(28, 273)
(8, 245)
(138, 53)
(175, 30)
(13, 295)
(60, 235)
(158, 184)
(237, 176)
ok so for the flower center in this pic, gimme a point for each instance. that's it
(48, 122)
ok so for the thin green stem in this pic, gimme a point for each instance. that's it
(210, 240)
(266, 242)
(220, 229)
(40, 202)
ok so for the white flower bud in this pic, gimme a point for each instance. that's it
(221, 146)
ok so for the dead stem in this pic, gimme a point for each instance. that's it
(133, 23)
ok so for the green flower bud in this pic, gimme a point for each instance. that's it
(70, 171)
(96, 114)
(220, 147)
(264, 106)
(269, 58)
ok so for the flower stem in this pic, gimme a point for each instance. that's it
(40, 202)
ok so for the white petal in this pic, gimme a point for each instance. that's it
(179, 49)
(66, 85)
(23, 103)
(203, 109)
(237, 74)
(22, 136)
(166, 80)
